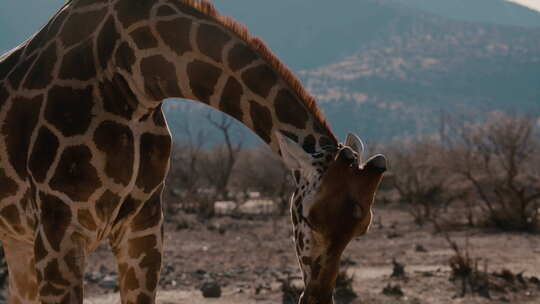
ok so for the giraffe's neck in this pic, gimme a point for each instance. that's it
(140, 53)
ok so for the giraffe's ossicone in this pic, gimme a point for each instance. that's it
(85, 147)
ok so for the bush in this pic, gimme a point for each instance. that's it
(501, 161)
(422, 179)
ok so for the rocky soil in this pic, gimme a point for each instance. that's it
(250, 259)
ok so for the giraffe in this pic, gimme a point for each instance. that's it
(85, 146)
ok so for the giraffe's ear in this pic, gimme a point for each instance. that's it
(355, 143)
(293, 155)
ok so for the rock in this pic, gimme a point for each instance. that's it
(109, 282)
(393, 235)
(398, 270)
(393, 290)
(211, 289)
(420, 248)
(94, 277)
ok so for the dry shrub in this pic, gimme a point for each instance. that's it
(492, 167)
(422, 179)
(466, 270)
(501, 161)
(262, 171)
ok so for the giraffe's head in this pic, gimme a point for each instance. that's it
(331, 206)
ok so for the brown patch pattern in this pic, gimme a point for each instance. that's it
(20, 71)
(75, 176)
(240, 56)
(4, 95)
(138, 246)
(325, 141)
(203, 78)
(185, 8)
(144, 38)
(106, 41)
(262, 120)
(130, 280)
(129, 12)
(128, 208)
(290, 135)
(160, 79)
(155, 151)
(36, 41)
(149, 215)
(53, 274)
(105, 206)
(231, 97)
(117, 97)
(152, 262)
(116, 141)
(206, 9)
(39, 248)
(165, 10)
(86, 219)
(211, 41)
(8, 186)
(158, 117)
(289, 110)
(12, 216)
(8, 63)
(260, 79)
(143, 299)
(125, 57)
(55, 218)
(81, 25)
(40, 74)
(78, 63)
(18, 126)
(310, 144)
(69, 110)
(43, 153)
(74, 260)
(53, 28)
(175, 34)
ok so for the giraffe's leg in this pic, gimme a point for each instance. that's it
(137, 243)
(22, 272)
(60, 248)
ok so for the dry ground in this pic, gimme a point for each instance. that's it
(250, 257)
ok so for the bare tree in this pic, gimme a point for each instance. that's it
(422, 179)
(263, 171)
(221, 160)
(185, 176)
(501, 160)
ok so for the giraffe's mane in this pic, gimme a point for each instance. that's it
(267, 55)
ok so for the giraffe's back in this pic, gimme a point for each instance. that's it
(74, 142)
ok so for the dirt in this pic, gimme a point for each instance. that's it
(250, 259)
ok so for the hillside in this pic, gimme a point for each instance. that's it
(480, 11)
(372, 62)
(427, 66)
(398, 81)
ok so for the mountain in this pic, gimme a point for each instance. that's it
(383, 68)
(406, 66)
(479, 11)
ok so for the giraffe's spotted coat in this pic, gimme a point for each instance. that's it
(78, 63)
(203, 78)
(116, 142)
(69, 109)
(175, 34)
(86, 147)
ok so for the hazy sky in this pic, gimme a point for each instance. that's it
(534, 4)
